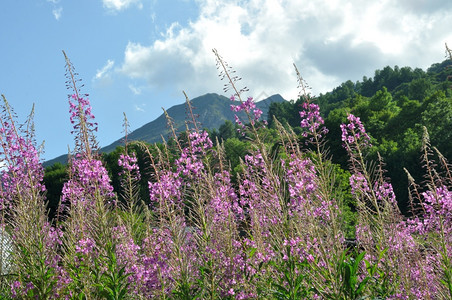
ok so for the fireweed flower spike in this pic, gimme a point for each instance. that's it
(90, 179)
(433, 222)
(355, 140)
(23, 211)
(310, 115)
(168, 191)
(312, 120)
(314, 203)
(129, 163)
(354, 135)
(139, 267)
(81, 118)
(87, 194)
(248, 106)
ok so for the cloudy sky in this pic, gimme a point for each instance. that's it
(137, 56)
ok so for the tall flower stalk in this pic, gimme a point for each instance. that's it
(87, 197)
(35, 254)
(432, 222)
(406, 271)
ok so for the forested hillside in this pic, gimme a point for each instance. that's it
(394, 105)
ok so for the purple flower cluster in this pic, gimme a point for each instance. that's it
(52, 241)
(167, 188)
(144, 264)
(301, 179)
(437, 219)
(130, 165)
(128, 162)
(90, 179)
(22, 173)
(189, 163)
(18, 289)
(385, 192)
(249, 107)
(438, 207)
(380, 223)
(309, 209)
(224, 205)
(81, 113)
(255, 186)
(23, 212)
(82, 120)
(246, 106)
(200, 142)
(85, 246)
(359, 185)
(312, 120)
(354, 133)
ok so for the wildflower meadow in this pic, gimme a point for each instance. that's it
(277, 231)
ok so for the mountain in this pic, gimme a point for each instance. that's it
(211, 111)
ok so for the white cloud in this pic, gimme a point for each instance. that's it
(105, 69)
(330, 41)
(139, 108)
(135, 90)
(117, 5)
(57, 12)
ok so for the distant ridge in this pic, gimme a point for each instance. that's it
(211, 110)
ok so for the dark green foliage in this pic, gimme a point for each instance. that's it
(227, 130)
(109, 279)
(54, 179)
(293, 284)
(379, 283)
(113, 283)
(37, 272)
(235, 150)
(389, 78)
(437, 117)
(352, 286)
(287, 113)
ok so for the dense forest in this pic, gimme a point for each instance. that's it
(395, 107)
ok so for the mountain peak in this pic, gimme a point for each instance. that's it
(211, 111)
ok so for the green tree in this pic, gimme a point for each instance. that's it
(408, 116)
(419, 89)
(381, 100)
(437, 117)
(54, 178)
(285, 112)
(235, 150)
(227, 130)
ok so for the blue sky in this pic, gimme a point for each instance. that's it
(136, 56)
